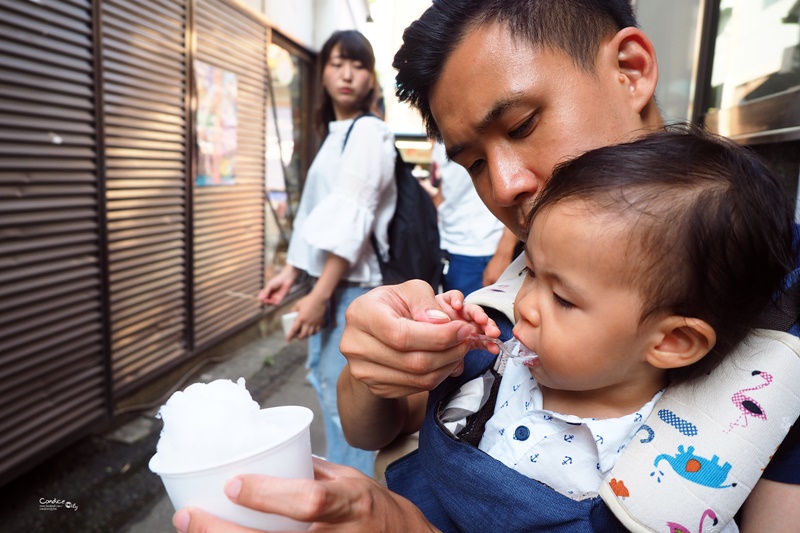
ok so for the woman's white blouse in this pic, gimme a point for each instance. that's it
(347, 195)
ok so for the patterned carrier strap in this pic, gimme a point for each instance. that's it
(705, 445)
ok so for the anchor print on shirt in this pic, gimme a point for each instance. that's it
(747, 405)
(697, 469)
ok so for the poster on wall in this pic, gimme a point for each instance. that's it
(216, 125)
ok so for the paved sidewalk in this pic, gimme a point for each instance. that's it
(106, 476)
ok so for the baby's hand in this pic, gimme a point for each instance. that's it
(452, 303)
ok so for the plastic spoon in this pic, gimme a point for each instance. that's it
(512, 348)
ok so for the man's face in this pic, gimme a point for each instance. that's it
(508, 113)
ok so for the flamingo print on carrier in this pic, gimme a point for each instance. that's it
(747, 405)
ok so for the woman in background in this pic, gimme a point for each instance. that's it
(349, 195)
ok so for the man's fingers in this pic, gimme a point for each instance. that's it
(191, 520)
(391, 383)
(324, 500)
(412, 369)
(390, 335)
(420, 302)
(289, 497)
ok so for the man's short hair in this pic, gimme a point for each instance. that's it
(575, 26)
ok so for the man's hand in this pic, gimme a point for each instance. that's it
(339, 499)
(398, 340)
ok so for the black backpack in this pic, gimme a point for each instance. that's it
(414, 251)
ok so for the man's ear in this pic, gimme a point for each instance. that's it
(636, 66)
(680, 341)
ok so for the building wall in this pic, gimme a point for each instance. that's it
(118, 267)
(673, 27)
(310, 22)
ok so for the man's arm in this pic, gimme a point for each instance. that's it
(772, 506)
(370, 422)
(393, 361)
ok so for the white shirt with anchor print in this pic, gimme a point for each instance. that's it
(570, 454)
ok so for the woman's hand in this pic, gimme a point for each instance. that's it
(311, 311)
(278, 286)
(339, 499)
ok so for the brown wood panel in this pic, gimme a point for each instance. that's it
(144, 66)
(52, 364)
(229, 219)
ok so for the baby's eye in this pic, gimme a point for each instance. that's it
(562, 302)
(529, 271)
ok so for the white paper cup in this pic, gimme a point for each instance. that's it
(287, 320)
(289, 457)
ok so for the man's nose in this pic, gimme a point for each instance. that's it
(512, 183)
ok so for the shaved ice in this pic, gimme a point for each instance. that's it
(209, 424)
(215, 431)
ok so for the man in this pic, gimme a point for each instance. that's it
(512, 88)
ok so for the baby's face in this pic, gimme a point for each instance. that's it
(574, 309)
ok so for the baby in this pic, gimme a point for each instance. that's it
(646, 263)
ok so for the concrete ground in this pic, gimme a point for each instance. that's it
(106, 476)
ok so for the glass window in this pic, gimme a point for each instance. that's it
(756, 52)
(673, 28)
(287, 158)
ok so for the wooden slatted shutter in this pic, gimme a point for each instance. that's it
(144, 83)
(229, 219)
(52, 367)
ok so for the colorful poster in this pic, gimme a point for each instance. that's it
(216, 125)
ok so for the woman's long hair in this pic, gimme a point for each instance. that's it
(352, 45)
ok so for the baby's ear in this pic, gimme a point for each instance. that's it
(680, 342)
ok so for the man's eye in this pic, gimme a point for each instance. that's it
(524, 129)
(562, 302)
(476, 167)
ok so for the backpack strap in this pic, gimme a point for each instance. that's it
(372, 238)
(347, 135)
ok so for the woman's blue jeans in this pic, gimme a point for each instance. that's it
(325, 363)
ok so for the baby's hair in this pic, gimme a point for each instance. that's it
(710, 226)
